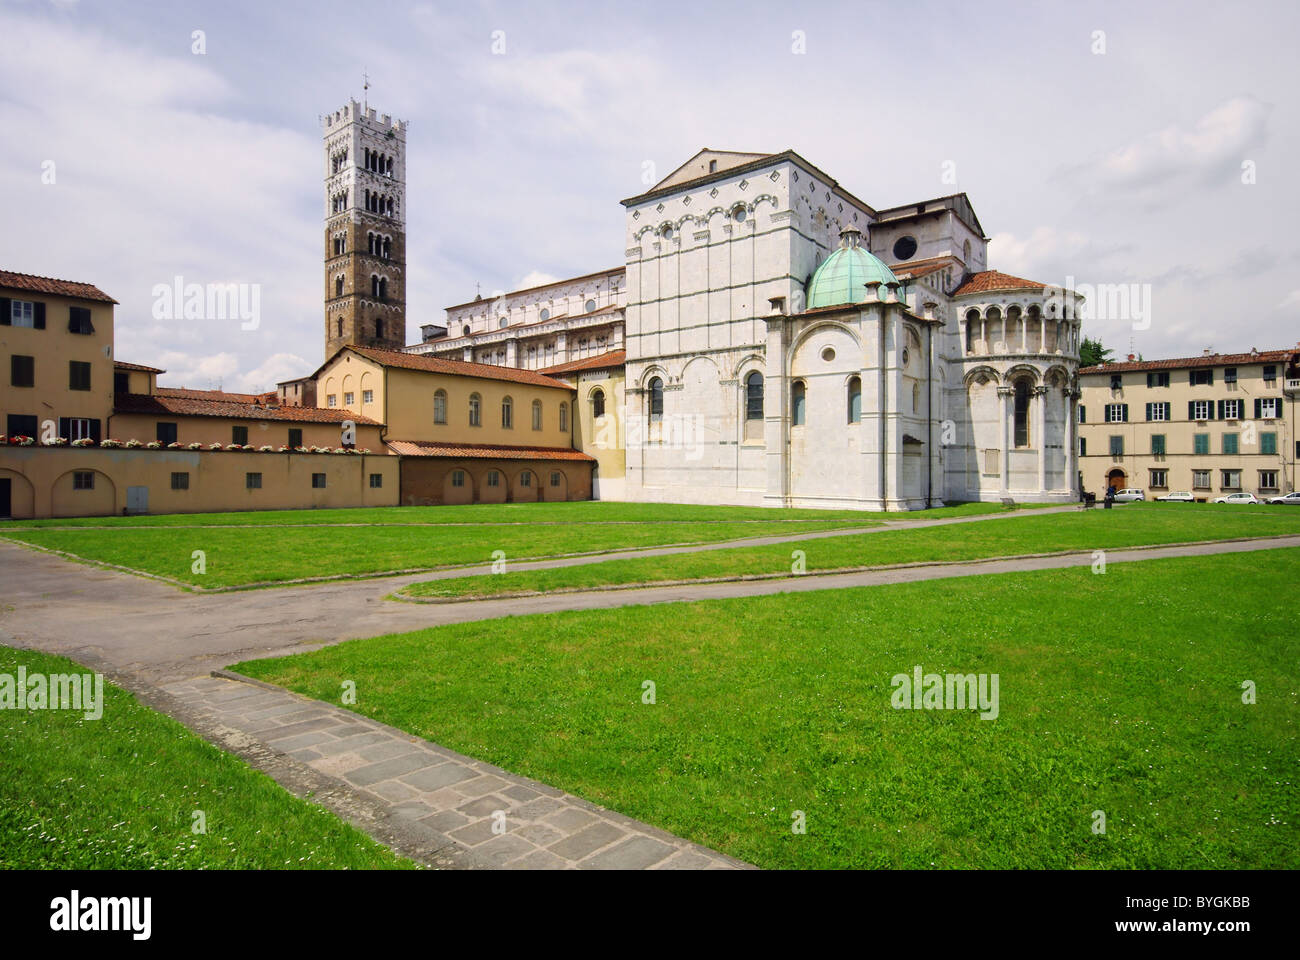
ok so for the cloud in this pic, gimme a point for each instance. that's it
(535, 278)
(275, 369)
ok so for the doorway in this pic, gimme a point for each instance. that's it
(1116, 480)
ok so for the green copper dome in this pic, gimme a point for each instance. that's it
(845, 274)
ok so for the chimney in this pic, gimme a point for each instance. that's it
(1207, 352)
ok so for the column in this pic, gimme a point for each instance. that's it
(775, 422)
(1040, 426)
(1004, 457)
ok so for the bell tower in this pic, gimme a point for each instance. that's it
(365, 229)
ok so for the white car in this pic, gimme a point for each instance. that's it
(1129, 495)
(1238, 498)
(1178, 496)
(1292, 498)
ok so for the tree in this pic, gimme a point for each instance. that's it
(1091, 353)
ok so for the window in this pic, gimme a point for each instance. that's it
(1199, 410)
(458, 478)
(349, 399)
(440, 406)
(166, 433)
(1231, 480)
(475, 410)
(503, 322)
(1229, 374)
(22, 371)
(798, 400)
(544, 315)
(464, 331)
(1117, 447)
(295, 437)
(754, 396)
(905, 248)
(590, 306)
(180, 481)
(1115, 412)
(121, 382)
(1083, 416)
(525, 479)
(332, 400)
(376, 481)
(507, 414)
(79, 320)
(1201, 444)
(1083, 446)
(564, 417)
(1158, 379)
(1159, 478)
(1202, 378)
(1270, 371)
(1159, 411)
(656, 400)
(1201, 479)
(239, 435)
(1116, 381)
(253, 481)
(21, 425)
(1268, 443)
(22, 313)
(1229, 409)
(555, 479)
(367, 396)
(1021, 413)
(78, 375)
(537, 414)
(855, 399)
(493, 478)
(83, 480)
(1230, 444)
(1268, 408)
(1157, 445)
(318, 481)
(597, 403)
(1268, 479)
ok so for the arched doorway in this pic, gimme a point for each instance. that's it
(1116, 480)
(525, 487)
(557, 485)
(457, 487)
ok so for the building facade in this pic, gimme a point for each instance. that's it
(1211, 425)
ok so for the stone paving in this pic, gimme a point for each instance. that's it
(460, 811)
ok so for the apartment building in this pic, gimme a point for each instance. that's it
(1211, 425)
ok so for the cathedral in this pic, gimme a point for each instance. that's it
(769, 339)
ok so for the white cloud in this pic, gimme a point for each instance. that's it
(535, 278)
(275, 369)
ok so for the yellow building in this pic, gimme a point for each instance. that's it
(1211, 425)
(598, 427)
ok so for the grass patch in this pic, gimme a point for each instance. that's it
(1135, 525)
(1119, 693)
(120, 792)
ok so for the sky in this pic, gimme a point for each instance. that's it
(1136, 147)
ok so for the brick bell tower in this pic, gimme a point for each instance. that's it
(365, 229)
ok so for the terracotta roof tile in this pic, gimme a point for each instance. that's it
(123, 365)
(421, 448)
(993, 280)
(218, 396)
(615, 358)
(62, 288)
(485, 371)
(1187, 363)
(163, 405)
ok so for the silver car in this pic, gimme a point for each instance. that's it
(1129, 495)
(1292, 498)
(1178, 496)
(1238, 498)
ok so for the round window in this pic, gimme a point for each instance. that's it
(906, 355)
(591, 306)
(738, 214)
(905, 248)
(668, 233)
(503, 322)
(546, 314)
(828, 354)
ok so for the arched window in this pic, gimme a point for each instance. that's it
(754, 396)
(440, 406)
(855, 399)
(464, 331)
(507, 414)
(597, 403)
(1022, 413)
(383, 288)
(339, 323)
(798, 401)
(374, 285)
(656, 400)
(388, 247)
(972, 327)
(379, 328)
(338, 286)
(537, 414)
(545, 314)
(475, 410)
(564, 418)
(916, 396)
(503, 322)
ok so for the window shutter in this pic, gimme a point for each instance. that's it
(1124, 411)
(65, 427)
(5, 311)
(94, 430)
(1220, 409)
(1191, 409)
(1258, 403)
(1149, 381)
(1169, 411)
(1149, 406)
(38, 313)
(1277, 406)
(1209, 378)
(1083, 416)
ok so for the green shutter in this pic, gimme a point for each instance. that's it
(38, 314)
(1169, 411)
(5, 311)
(1149, 405)
(1257, 406)
(1191, 409)
(1124, 411)
(1278, 404)
(1220, 409)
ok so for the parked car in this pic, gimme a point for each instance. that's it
(1238, 498)
(1178, 496)
(1129, 495)
(1292, 498)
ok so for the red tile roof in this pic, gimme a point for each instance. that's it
(421, 448)
(485, 371)
(123, 365)
(1185, 363)
(993, 280)
(615, 358)
(163, 405)
(218, 396)
(62, 288)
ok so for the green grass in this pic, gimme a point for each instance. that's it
(1118, 692)
(259, 552)
(120, 793)
(1134, 525)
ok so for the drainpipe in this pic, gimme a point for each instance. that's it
(929, 412)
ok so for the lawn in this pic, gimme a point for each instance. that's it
(120, 793)
(261, 552)
(1119, 693)
(1134, 525)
